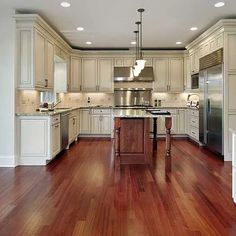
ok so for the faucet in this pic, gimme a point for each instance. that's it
(54, 105)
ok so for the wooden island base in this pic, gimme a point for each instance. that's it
(135, 145)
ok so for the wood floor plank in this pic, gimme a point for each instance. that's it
(81, 193)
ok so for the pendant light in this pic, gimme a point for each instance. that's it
(140, 61)
(136, 68)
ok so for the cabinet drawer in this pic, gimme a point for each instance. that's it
(55, 119)
(101, 111)
(194, 132)
(195, 113)
(194, 121)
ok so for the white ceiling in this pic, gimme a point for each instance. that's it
(110, 23)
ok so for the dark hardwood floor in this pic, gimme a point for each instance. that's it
(80, 193)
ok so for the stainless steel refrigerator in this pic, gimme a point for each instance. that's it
(211, 101)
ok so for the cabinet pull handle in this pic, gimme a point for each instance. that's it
(80, 87)
(56, 126)
(167, 87)
(46, 83)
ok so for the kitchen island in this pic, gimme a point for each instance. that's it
(134, 144)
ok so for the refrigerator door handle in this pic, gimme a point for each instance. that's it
(209, 105)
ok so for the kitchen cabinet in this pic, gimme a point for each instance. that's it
(95, 122)
(187, 74)
(101, 121)
(76, 74)
(78, 122)
(182, 121)
(35, 60)
(45, 145)
(105, 75)
(168, 74)
(176, 75)
(161, 74)
(72, 128)
(193, 116)
(89, 74)
(194, 61)
(97, 75)
(85, 121)
(127, 61)
(56, 137)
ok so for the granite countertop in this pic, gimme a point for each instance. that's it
(134, 113)
(117, 110)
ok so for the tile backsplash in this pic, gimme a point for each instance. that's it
(28, 101)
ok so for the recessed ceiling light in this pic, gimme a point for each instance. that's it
(178, 43)
(80, 28)
(193, 28)
(219, 4)
(88, 43)
(133, 42)
(65, 4)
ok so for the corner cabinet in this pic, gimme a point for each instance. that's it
(97, 75)
(169, 74)
(35, 60)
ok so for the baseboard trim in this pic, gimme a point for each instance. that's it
(7, 161)
(32, 161)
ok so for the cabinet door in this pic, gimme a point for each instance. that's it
(160, 67)
(56, 139)
(89, 74)
(39, 58)
(95, 124)
(181, 122)
(161, 129)
(74, 127)
(187, 74)
(106, 124)
(176, 75)
(71, 129)
(85, 121)
(192, 63)
(78, 122)
(105, 75)
(49, 64)
(75, 82)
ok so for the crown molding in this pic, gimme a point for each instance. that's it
(220, 26)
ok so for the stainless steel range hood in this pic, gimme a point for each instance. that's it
(125, 74)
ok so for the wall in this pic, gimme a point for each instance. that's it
(7, 88)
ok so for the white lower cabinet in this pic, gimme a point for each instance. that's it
(85, 121)
(56, 139)
(72, 128)
(95, 121)
(193, 120)
(41, 148)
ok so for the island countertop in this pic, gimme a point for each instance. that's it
(133, 113)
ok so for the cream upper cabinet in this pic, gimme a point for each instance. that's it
(176, 75)
(194, 61)
(35, 60)
(168, 74)
(105, 75)
(39, 60)
(49, 68)
(89, 74)
(75, 81)
(187, 74)
(129, 61)
(161, 74)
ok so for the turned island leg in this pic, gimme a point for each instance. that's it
(168, 123)
(117, 142)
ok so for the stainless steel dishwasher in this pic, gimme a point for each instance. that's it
(64, 130)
